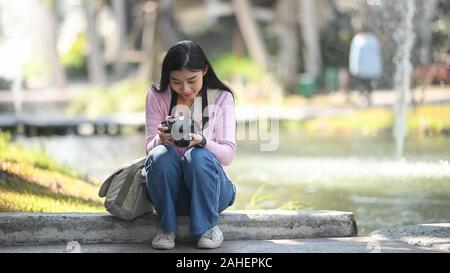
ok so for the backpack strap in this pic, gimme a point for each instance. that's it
(105, 186)
(197, 107)
(132, 171)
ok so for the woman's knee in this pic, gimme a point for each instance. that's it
(161, 155)
(198, 157)
(163, 162)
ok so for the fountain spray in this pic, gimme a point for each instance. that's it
(405, 37)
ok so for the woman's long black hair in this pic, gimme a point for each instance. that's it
(189, 55)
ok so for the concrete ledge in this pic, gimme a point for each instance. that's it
(48, 228)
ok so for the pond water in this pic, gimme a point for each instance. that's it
(357, 174)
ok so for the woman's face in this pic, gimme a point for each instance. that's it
(187, 83)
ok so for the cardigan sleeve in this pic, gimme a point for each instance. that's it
(223, 144)
(154, 115)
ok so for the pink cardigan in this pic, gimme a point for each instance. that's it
(220, 131)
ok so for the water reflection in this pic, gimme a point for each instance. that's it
(349, 174)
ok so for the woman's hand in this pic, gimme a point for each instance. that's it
(166, 138)
(196, 139)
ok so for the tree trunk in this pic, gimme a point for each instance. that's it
(310, 34)
(148, 40)
(50, 41)
(238, 44)
(166, 23)
(211, 6)
(288, 44)
(119, 8)
(250, 33)
(95, 59)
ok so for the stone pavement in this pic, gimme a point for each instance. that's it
(435, 236)
(318, 245)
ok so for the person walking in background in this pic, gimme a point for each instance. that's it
(365, 63)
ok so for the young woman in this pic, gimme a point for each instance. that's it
(191, 180)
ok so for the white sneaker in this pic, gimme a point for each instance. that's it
(212, 238)
(164, 240)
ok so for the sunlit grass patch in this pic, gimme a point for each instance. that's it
(30, 201)
(421, 120)
(11, 151)
(27, 188)
(31, 181)
(429, 117)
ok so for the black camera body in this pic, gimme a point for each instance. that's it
(180, 128)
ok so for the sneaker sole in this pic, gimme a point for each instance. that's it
(209, 245)
(163, 246)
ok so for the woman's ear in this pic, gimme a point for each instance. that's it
(205, 70)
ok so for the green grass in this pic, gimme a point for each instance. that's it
(258, 200)
(376, 121)
(13, 152)
(31, 181)
(20, 195)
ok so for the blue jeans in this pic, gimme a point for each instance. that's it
(194, 185)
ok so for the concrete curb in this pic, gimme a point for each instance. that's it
(48, 228)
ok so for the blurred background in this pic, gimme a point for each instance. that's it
(74, 75)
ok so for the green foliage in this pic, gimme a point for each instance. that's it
(229, 67)
(74, 60)
(125, 96)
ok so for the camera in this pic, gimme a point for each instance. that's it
(180, 128)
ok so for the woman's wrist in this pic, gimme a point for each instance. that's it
(203, 141)
(197, 140)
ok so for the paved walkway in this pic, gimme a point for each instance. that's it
(436, 236)
(100, 233)
(322, 245)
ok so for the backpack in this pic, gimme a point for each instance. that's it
(126, 191)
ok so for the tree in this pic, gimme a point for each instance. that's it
(121, 26)
(310, 34)
(250, 33)
(95, 58)
(148, 39)
(166, 23)
(50, 39)
(288, 41)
